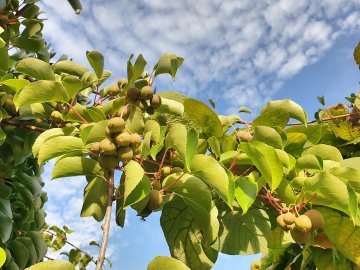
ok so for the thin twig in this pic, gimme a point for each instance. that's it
(77, 113)
(20, 125)
(106, 227)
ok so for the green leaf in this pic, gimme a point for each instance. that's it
(357, 54)
(243, 234)
(215, 146)
(19, 252)
(268, 135)
(342, 233)
(36, 68)
(177, 138)
(3, 257)
(162, 262)
(246, 192)
(321, 100)
(96, 60)
(69, 67)
(191, 146)
(212, 103)
(72, 84)
(353, 202)
(197, 197)
(97, 132)
(203, 117)
(244, 110)
(309, 162)
(76, 5)
(154, 127)
(325, 259)
(5, 220)
(168, 63)
(135, 122)
(184, 236)
(73, 166)
(266, 161)
(95, 199)
(170, 106)
(39, 244)
(326, 152)
(58, 146)
(135, 70)
(15, 84)
(53, 265)
(211, 172)
(51, 133)
(34, 44)
(2, 42)
(39, 92)
(277, 113)
(353, 162)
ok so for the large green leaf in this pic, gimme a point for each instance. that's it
(95, 199)
(184, 236)
(51, 133)
(15, 84)
(168, 63)
(58, 146)
(176, 138)
(170, 106)
(6, 224)
(39, 92)
(135, 70)
(97, 132)
(197, 196)
(326, 152)
(211, 172)
(73, 166)
(19, 252)
(69, 67)
(136, 184)
(191, 146)
(33, 111)
(35, 68)
(96, 60)
(72, 84)
(53, 265)
(39, 243)
(342, 233)
(135, 122)
(204, 118)
(243, 234)
(246, 191)
(161, 262)
(266, 161)
(268, 135)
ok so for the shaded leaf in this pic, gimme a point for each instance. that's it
(95, 199)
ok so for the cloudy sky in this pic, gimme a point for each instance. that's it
(240, 53)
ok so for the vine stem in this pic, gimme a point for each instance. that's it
(77, 113)
(106, 227)
(15, 124)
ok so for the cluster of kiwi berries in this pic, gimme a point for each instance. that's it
(300, 227)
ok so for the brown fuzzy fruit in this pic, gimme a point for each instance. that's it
(300, 237)
(155, 200)
(108, 147)
(280, 221)
(123, 139)
(133, 93)
(95, 148)
(323, 241)
(155, 101)
(116, 124)
(113, 90)
(146, 92)
(289, 218)
(156, 185)
(125, 153)
(142, 105)
(317, 219)
(135, 140)
(303, 223)
(108, 161)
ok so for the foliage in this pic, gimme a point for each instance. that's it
(286, 189)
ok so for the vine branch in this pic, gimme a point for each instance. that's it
(20, 125)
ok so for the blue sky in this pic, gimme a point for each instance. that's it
(240, 53)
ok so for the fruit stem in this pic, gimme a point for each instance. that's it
(77, 113)
(106, 227)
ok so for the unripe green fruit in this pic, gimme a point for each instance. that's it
(95, 148)
(244, 136)
(108, 161)
(323, 241)
(165, 171)
(9, 105)
(142, 105)
(113, 90)
(300, 237)
(146, 92)
(303, 223)
(133, 94)
(116, 124)
(56, 115)
(155, 101)
(280, 221)
(289, 218)
(135, 140)
(156, 185)
(123, 139)
(108, 147)
(53, 265)
(4, 19)
(176, 170)
(155, 200)
(122, 82)
(125, 153)
(316, 218)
